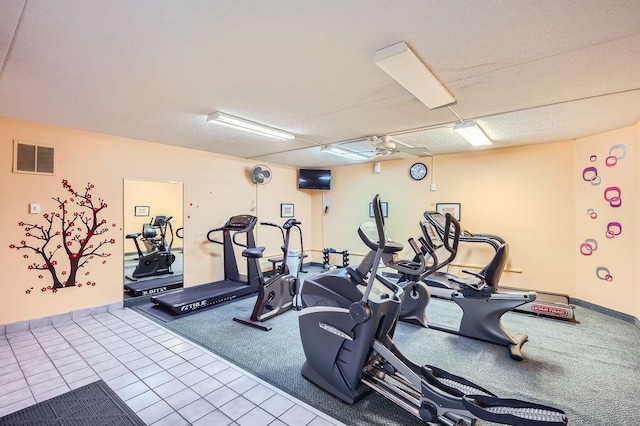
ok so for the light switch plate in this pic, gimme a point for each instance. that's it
(34, 208)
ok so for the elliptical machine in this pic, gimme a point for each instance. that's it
(277, 294)
(346, 336)
(547, 304)
(159, 258)
(482, 304)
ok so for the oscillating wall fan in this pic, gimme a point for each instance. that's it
(260, 174)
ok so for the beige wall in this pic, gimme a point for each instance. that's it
(617, 254)
(516, 193)
(162, 198)
(533, 196)
(215, 188)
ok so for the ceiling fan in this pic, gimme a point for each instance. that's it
(386, 145)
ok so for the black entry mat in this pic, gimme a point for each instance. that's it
(93, 404)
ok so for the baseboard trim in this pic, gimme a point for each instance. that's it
(607, 311)
(57, 319)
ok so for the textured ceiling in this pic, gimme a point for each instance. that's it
(527, 72)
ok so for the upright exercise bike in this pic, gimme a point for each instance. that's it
(347, 340)
(277, 294)
(158, 259)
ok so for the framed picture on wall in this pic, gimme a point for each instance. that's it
(142, 211)
(385, 209)
(286, 210)
(451, 208)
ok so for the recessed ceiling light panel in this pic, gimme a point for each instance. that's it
(472, 133)
(227, 120)
(399, 61)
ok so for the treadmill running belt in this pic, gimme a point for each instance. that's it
(193, 298)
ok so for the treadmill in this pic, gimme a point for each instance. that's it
(547, 304)
(153, 286)
(233, 286)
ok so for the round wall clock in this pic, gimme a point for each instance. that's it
(418, 171)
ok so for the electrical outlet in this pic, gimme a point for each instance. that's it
(34, 208)
(433, 186)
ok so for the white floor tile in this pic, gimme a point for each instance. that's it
(164, 378)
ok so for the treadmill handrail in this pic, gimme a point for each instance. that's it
(235, 234)
(227, 227)
(211, 239)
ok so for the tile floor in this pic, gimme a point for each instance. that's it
(164, 378)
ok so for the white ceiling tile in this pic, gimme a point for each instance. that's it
(154, 69)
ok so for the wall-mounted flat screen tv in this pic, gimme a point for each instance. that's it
(314, 179)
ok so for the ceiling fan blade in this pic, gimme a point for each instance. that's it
(405, 155)
(416, 152)
(400, 142)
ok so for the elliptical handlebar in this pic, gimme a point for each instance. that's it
(456, 234)
(167, 224)
(412, 267)
(377, 212)
(415, 247)
(381, 243)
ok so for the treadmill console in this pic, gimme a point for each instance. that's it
(243, 222)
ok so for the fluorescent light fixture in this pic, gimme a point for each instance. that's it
(472, 133)
(399, 61)
(341, 152)
(248, 126)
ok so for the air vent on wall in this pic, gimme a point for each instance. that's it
(31, 158)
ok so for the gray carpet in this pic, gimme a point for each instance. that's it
(590, 370)
(93, 404)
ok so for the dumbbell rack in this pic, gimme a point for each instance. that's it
(326, 254)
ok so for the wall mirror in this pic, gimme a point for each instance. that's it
(153, 232)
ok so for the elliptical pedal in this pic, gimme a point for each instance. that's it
(511, 411)
(453, 384)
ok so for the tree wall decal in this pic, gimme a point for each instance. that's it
(68, 239)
